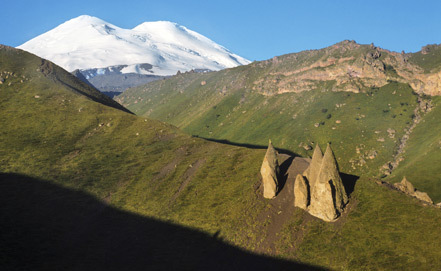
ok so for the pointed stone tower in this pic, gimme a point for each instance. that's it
(327, 192)
(332, 173)
(301, 192)
(311, 173)
(270, 172)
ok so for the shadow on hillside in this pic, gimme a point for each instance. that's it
(250, 146)
(349, 182)
(106, 100)
(47, 227)
(70, 79)
(283, 174)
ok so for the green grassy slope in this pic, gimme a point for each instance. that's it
(81, 152)
(350, 121)
(422, 157)
(365, 128)
(45, 74)
(378, 234)
(429, 58)
(50, 132)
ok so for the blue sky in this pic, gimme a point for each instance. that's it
(254, 29)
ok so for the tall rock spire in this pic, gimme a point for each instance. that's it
(312, 171)
(327, 192)
(270, 172)
(328, 196)
(301, 192)
(332, 173)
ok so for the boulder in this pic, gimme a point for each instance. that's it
(405, 186)
(408, 188)
(270, 172)
(301, 192)
(307, 147)
(423, 196)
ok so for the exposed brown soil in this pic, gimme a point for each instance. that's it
(282, 206)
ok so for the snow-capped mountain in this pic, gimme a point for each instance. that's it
(154, 48)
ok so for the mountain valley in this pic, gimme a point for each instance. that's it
(166, 175)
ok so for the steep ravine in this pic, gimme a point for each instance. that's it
(423, 106)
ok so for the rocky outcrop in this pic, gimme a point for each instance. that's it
(327, 193)
(314, 168)
(347, 66)
(270, 172)
(423, 196)
(407, 187)
(424, 106)
(301, 192)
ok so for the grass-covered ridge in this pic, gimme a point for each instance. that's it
(356, 123)
(61, 136)
(102, 162)
(428, 58)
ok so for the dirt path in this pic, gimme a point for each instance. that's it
(282, 206)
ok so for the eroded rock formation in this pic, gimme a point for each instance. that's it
(406, 187)
(301, 192)
(314, 168)
(327, 193)
(270, 172)
(346, 66)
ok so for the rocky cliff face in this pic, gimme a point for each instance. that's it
(345, 66)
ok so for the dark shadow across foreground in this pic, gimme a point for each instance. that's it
(47, 227)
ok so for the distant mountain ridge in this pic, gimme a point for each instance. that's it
(111, 81)
(151, 48)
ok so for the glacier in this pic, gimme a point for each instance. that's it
(158, 48)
